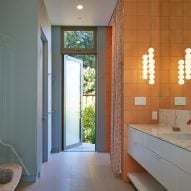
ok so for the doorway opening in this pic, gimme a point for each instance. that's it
(79, 89)
(45, 95)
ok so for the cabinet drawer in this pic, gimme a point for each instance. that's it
(183, 160)
(162, 170)
(135, 145)
(162, 148)
(136, 136)
(137, 152)
(184, 181)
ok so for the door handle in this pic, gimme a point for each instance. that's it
(44, 117)
(51, 112)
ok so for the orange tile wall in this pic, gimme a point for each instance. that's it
(141, 31)
(164, 25)
(175, 36)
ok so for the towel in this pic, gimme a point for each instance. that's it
(6, 175)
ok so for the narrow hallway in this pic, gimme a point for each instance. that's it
(77, 171)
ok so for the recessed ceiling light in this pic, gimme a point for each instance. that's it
(80, 7)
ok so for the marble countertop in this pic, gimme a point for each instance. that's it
(162, 132)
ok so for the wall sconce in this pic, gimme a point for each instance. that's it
(184, 67)
(148, 63)
(188, 63)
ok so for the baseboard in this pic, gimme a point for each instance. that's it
(31, 178)
(55, 150)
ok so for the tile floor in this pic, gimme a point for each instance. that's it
(77, 171)
(84, 147)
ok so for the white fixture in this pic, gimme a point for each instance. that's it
(154, 115)
(184, 67)
(168, 163)
(180, 101)
(79, 7)
(188, 64)
(148, 63)
(181, 72)
(140, 100)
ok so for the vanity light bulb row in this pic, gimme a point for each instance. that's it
(188, 63)
(148, 64)
(184, 67)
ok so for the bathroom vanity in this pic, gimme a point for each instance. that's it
(166, 155)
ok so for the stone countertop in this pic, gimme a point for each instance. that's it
(160, 132)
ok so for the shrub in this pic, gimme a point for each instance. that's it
(88, 119)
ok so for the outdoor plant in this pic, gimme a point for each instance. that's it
(88, 119)
(89, 80)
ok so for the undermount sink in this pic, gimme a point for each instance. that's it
(178, 136)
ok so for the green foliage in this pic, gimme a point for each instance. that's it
(88, 60)
(89, 80)
(88, 118)
(78, 39)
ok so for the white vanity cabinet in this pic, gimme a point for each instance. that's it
(136, 142)
(160, 168)
(184, 181)
(168, 164)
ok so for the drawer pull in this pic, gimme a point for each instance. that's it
(157, 155)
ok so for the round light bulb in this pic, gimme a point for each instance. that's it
(188, 76)
(188, 67)
(151, 61)
(181, 62)
(188, 50)
(151, 82)
(188, 56)
(181, 72)
(145, 67)
(181, 82)
(145, 57)
(79, 7)
(151, 72)
(145, 62)
(144, 77)
(187, 71)
(180, 77)
(151, 55)
(151, 66)
(151, 50)
(152, 77)
(181, 67)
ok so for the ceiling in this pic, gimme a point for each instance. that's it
(94, 13)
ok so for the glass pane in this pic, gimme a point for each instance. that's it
(78, 39)
(89, 60)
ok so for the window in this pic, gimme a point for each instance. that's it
(79, 39)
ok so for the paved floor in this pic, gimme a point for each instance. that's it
(84, 147)
(77, 171)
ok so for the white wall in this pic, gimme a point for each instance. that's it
(19, 59)
(43, 23)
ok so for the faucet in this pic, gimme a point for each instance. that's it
(188, 122)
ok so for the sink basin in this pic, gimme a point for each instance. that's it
(178, 136)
